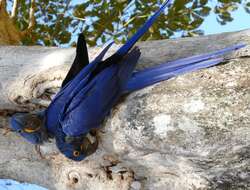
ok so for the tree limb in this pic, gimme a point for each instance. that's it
(190, 132)
(32, 19)
(9, 34)
(3, 4)
(14, 10)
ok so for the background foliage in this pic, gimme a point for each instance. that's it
(58, 21)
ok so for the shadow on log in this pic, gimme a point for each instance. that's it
(190, 132)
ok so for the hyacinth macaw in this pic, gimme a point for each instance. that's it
(90, 90)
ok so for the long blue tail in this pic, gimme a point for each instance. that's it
(129, 44)
(171, 69)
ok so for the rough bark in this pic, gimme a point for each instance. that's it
(190, 132)
(9, 35)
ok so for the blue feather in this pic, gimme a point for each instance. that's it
(56, 107)
(87, 98)
(171, 69)
(131, 42)
(103, 52)
(91, 104)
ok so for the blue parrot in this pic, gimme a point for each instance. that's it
(90, 90)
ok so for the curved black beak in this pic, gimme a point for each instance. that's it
(89, 144)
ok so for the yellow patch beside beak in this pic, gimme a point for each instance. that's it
(31, 130)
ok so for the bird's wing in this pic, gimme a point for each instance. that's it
(103, 52)
(81, 60)
(82, 74)
(69, 90)
(131, 42)
(122, 51)
(88, 108)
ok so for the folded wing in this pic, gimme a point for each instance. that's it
(88, 108)
(81, 60)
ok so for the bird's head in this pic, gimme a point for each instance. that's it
(77, 148)
(30, 126)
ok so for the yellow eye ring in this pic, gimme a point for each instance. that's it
(76, 153)
(30, 130)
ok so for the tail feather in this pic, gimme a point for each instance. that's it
(171, 69)
(190, 60)
(142, 82)
(103, 52)
(129, 44)
(127, 65)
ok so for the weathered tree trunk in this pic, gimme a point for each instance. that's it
(190, 132)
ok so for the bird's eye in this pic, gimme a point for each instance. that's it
(19, 131)
(76, 153)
